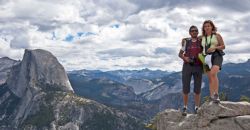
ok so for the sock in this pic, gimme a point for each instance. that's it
(185, 106)
(196, 107)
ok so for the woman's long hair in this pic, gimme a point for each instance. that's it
(214, 29)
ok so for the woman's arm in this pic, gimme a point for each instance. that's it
(221, 44)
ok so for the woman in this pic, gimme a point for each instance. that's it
(213, 44)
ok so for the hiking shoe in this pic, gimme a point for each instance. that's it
(184, 111)
(216, 98)
(196, 110)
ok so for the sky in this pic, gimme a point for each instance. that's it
(119, 34)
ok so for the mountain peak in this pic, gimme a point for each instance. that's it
(5, 61)
(5, 58)
(5, 65)
(38, 70)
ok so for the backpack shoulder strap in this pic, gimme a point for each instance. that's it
(199, 42)
(188, 43)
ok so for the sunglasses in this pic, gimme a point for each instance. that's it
(194, 30)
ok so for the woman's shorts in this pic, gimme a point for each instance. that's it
(217, 59)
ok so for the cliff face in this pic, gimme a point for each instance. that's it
(38, 95)
(38, 69)
(5, 66)
(223, 116)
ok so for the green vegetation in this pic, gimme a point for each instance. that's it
(223, 96)
(205, 99)
(101, 121)
(64, 116)
(49, 97)
(151, 126)
(244, 98)
(79, 102)
(42, 118)
(106, 120)
(45, 115)
(50, 87)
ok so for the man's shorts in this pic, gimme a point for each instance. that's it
(189, 71)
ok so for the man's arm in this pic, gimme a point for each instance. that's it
(181, 52)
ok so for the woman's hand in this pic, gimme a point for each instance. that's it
(211, 49)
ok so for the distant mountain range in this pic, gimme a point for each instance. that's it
(35, 94)
(92, 99)
(153, 90)
(139, 80)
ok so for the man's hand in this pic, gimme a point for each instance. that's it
(186, 59)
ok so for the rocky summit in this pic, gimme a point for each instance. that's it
(37, 95)
(211, 116)
(38, 70)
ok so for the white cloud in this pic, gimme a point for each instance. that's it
(120, 34)
(46, 11)
(6, 50)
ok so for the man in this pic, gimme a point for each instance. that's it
(192, 67)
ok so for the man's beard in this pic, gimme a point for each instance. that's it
(194, 36)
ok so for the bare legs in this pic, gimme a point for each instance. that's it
(213, 80)
(185, 99)
(197, 99)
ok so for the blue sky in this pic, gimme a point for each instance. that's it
(119, 34)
